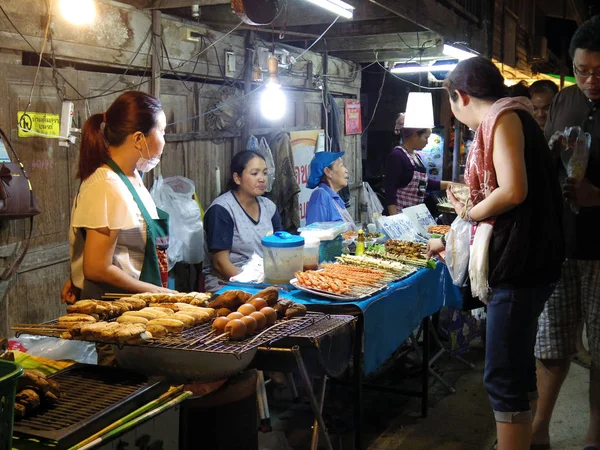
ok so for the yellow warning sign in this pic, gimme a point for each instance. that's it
(37, 124)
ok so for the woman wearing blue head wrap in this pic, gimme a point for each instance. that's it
(328, 176)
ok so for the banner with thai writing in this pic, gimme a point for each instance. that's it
(304, 146)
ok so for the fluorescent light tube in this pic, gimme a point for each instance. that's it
(457, 53)
(335, 6)
(412, 69)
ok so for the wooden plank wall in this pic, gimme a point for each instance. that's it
(34, 293)
(523, 39)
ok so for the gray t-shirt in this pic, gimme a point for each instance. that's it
(228, 227)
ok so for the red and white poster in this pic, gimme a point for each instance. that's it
(304, 145)
(353, 117)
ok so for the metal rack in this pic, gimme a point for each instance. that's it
(197, 338)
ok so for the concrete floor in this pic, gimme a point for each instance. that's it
(460, 421)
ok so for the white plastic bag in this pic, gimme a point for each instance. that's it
(58, 349)
(186, 234)
(374, 208)
(479, 264)
(458, 242)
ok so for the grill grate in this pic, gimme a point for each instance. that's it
(91, 398)
(194, 339)
(323, 327)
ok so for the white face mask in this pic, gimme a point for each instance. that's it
(144, 164)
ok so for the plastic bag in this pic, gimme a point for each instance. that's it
(479, 264)
(575, 154)
(56, 349)
(175, 195)
(371, 202)
(458, 242)
(263, 149)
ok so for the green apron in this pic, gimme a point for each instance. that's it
(155, 266)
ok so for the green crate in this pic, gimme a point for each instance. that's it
(9, 374)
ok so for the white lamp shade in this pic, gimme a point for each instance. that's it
(419, 110)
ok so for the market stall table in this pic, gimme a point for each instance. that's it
(386, 320)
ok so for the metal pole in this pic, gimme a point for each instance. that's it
(315, 437)
(313, 400)
(156, 52)
(456, 155)
(326, 100)
(248, 78)
(156, 49)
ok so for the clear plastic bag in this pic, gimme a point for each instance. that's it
(458, 242)
(575, 154)
(56, 349)
(262, 148)
(373, 205)
(175, 195)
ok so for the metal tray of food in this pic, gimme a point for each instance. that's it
(338, 297)
(92, 398)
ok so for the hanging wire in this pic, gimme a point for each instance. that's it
(37, 72)
(316, 40)
(376, 104)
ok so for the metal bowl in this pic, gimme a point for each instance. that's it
(182, 365)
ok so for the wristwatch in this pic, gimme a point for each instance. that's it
(443, 239)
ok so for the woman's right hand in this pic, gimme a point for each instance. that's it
(434, 247)
(153, 289)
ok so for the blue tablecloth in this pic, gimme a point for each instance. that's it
(391, 315)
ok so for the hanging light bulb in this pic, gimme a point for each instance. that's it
(272, 100)
(78, 12)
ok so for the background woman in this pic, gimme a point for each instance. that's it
(328, 176)
(237, 220)
(514, 188)
(405, 174)
(118, 237)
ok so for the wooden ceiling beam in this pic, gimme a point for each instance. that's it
(168, 4)
(366, 56)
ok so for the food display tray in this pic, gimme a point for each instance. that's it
(338, 297)
(92, 398)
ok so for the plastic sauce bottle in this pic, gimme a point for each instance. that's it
(360, 243)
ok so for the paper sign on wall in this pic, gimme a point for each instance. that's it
(304, 145)
(353, 117)
(38, 124)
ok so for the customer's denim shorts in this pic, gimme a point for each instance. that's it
(510, 368)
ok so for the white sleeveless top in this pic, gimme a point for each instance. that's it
(104, 201)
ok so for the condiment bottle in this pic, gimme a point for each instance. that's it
(360, 243)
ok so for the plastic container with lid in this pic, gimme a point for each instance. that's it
(282, 257)
(311, 253)
(330, 235)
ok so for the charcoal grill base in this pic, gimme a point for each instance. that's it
(92, 397)
(182, 365)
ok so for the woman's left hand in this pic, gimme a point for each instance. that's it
(70, 293)
(434, 247)
(458, 205)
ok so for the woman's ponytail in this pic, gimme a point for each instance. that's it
(93, 151)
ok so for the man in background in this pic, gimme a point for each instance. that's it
(577, 295)
(541, 93)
